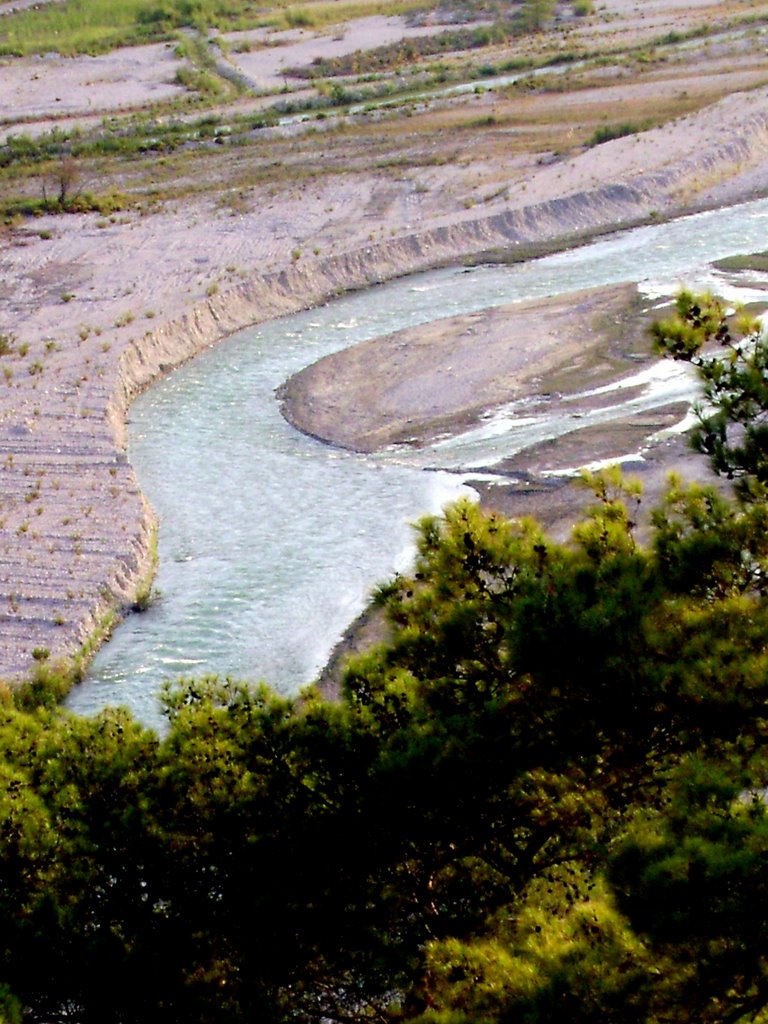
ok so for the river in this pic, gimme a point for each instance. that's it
(270, 541)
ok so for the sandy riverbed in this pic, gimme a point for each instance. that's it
(96, 308)
(417, 384)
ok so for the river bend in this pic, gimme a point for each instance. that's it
(270, 541)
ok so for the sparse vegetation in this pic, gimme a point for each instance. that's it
(395, 55)
(97, 26)
(112, 153)
(535, 14)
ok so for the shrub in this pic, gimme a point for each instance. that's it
(609, 132)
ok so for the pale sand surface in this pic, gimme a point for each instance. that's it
(644, 21)
(417, 384)
(33, 87)
(37, 93)
(98, 311)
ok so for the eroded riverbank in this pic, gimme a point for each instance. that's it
(96, 313)
(234, 598)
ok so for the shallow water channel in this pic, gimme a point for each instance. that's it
(270, 541)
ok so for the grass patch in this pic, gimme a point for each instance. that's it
(98, 26)
(202, 81)
(49, 685)
(104, 204)
(201, 74)
(88, 26)
(751, 261)
(289, 14)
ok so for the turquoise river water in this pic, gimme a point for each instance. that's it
(270, 541)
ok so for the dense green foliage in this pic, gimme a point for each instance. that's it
(541, 801)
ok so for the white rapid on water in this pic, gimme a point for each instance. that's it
(270, 541)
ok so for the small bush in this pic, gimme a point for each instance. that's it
(203, 82)
(295, 17)
(47, 688)
(609, 132)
